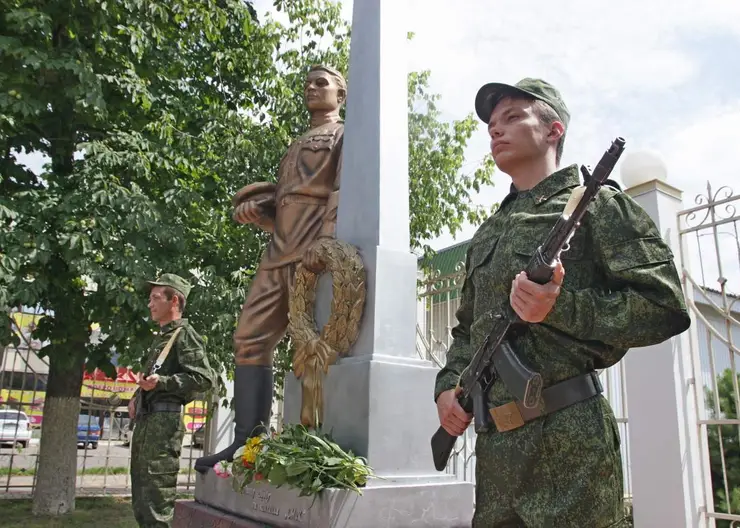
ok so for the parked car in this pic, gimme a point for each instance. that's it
(88, 431)
(15, 427)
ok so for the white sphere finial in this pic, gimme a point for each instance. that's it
(641, 167)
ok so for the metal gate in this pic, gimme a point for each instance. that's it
(710, 246)
(103, 434)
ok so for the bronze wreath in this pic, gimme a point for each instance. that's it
(314, 351)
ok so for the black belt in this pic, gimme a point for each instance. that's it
(554, 398)
(163, 407)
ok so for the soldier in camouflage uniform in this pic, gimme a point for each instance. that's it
(159, 429)
(615, 288)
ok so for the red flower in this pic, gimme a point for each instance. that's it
(258, 476)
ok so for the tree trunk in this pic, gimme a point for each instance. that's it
(57, 468)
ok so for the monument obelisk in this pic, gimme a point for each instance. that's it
(378, 402)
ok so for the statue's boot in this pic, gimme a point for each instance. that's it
(252, 405)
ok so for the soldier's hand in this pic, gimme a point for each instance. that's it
(247, 212)
(149, 382)
(532, 301)
(452, 417)
(132, 407)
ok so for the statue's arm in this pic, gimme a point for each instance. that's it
(329, 225)
(266, 224)
(255, 208)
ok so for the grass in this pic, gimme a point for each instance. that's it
(112, 512)
(29, 472)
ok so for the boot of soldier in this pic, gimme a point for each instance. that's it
(252, 405)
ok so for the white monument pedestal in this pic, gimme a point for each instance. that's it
(263, 506)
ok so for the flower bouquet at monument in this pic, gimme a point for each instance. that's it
(298, 457)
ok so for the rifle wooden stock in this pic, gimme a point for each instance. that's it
(442, 445)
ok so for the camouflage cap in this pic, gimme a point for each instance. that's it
(490, 94)
(173, 281)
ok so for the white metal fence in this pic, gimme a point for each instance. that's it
(710, 242)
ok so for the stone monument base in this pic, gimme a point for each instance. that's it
(443, 503)
(192, 514)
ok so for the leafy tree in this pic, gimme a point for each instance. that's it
(142, 109)
(724, 448)
(152, 114)
(440, 191)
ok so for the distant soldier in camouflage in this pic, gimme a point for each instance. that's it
(616, 287)
(159, 428)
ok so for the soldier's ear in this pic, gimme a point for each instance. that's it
(557, 131)
(176, 302)
(341, 96)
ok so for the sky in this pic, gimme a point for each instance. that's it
(663, 74)
(659, 73)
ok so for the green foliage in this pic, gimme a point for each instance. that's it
(307, 460)
(724, 447)
(439, 188)
(282, 364)
(141, 108)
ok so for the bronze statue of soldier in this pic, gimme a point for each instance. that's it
(299, 209)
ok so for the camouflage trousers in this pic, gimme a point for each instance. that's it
(561, 470)
(155, 463)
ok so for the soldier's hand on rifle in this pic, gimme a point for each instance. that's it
(532, 301)
(247, 212)
(452, 417)
(149, 382)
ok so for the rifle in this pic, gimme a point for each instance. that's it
(153, 368)
(496, 356)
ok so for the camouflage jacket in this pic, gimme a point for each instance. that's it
(185, 372)
(621, 287)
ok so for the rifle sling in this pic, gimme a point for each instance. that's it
(513, 415)
(165, 351)
(154, 368)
